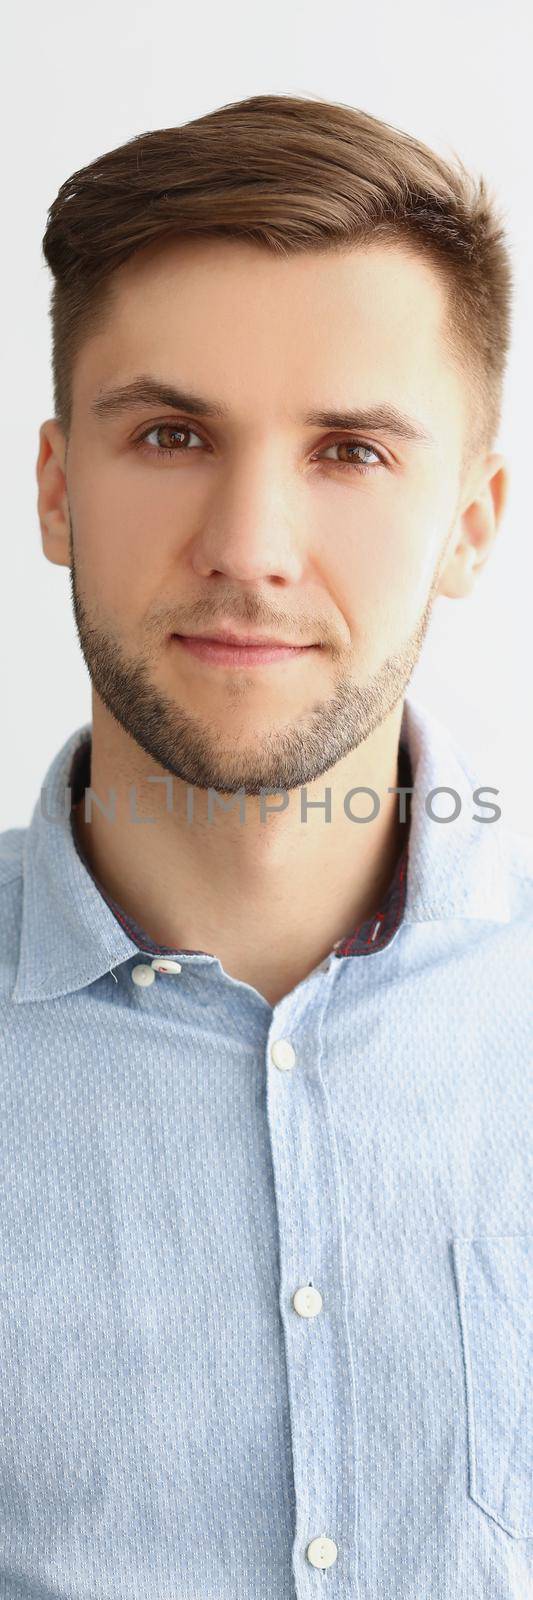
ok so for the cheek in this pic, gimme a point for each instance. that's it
(378, 562)
(378, 548)
(110, 568)
(121, 522)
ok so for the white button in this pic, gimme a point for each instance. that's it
(322, 1552)
(166, 964)
(283, 1054)
(143, 975)
(307, 1302)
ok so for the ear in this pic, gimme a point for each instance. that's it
(52, 503)
(476, 527)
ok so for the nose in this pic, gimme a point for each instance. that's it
(250, 530)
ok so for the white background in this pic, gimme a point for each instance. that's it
(80, 79)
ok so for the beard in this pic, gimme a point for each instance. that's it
(284, 756)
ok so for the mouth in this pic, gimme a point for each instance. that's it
(229, 653)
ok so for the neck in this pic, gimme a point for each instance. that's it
(267, 890)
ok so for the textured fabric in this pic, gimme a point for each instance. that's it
(372, 934)
(265, 1271)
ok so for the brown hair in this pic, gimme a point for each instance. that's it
(292, 175)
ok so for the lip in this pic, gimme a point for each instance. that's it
(229, 652)
(248, 640)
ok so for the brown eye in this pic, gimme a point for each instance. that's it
(171, 431)
(352, 445)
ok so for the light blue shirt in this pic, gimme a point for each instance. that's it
(265, 1271)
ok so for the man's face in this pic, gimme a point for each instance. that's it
(253, 522)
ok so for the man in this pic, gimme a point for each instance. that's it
(266, 1240)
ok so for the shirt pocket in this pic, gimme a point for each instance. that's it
(494, 1281)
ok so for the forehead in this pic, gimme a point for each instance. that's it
(351, 323)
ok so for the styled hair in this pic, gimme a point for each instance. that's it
(294, 176)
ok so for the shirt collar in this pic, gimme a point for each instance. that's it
(70, 935)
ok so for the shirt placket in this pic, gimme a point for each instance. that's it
(313, 1296)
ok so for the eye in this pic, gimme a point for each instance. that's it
(172, 429)
(353, 445)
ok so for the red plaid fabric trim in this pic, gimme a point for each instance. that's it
(379, 929)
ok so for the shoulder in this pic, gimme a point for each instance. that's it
(11, 864)
(11, 851)
(517, 855)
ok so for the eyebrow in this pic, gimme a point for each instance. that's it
(147, 391)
